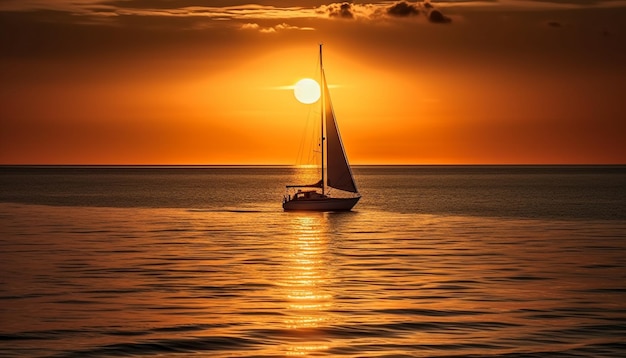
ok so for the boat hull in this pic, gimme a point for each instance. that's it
(325, 204)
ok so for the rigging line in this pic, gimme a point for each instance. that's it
(304, 142)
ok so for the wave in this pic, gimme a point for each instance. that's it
(164, 346)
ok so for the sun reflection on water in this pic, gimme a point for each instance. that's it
(307, 274)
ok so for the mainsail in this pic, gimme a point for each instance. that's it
(339, 174)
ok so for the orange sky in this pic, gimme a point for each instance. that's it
(202, 82)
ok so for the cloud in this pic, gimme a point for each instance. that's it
(350, 11)
(285, 26)
(406, 9)
(343, 10)
(118, 11)
(273, 29)
(382, 10)
(403, 8)
(174, 8)
(250, 26)
(435, 16)
(239, 10)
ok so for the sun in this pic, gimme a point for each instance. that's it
(307, 91)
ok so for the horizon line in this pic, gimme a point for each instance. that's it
(299, 166)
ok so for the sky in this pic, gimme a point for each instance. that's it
(208, 82)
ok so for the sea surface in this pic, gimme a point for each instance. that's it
(434, 261)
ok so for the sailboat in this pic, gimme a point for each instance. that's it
(335, 169)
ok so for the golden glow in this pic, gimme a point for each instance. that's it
(307, 91)
(223, 100)
(305, 350)
(306, 275)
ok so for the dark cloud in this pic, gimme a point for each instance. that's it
(343, 10)
(437, 17)
(374, 11)
(403, 8)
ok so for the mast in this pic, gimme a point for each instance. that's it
(322, 118)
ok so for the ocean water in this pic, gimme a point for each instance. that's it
(202, 262)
